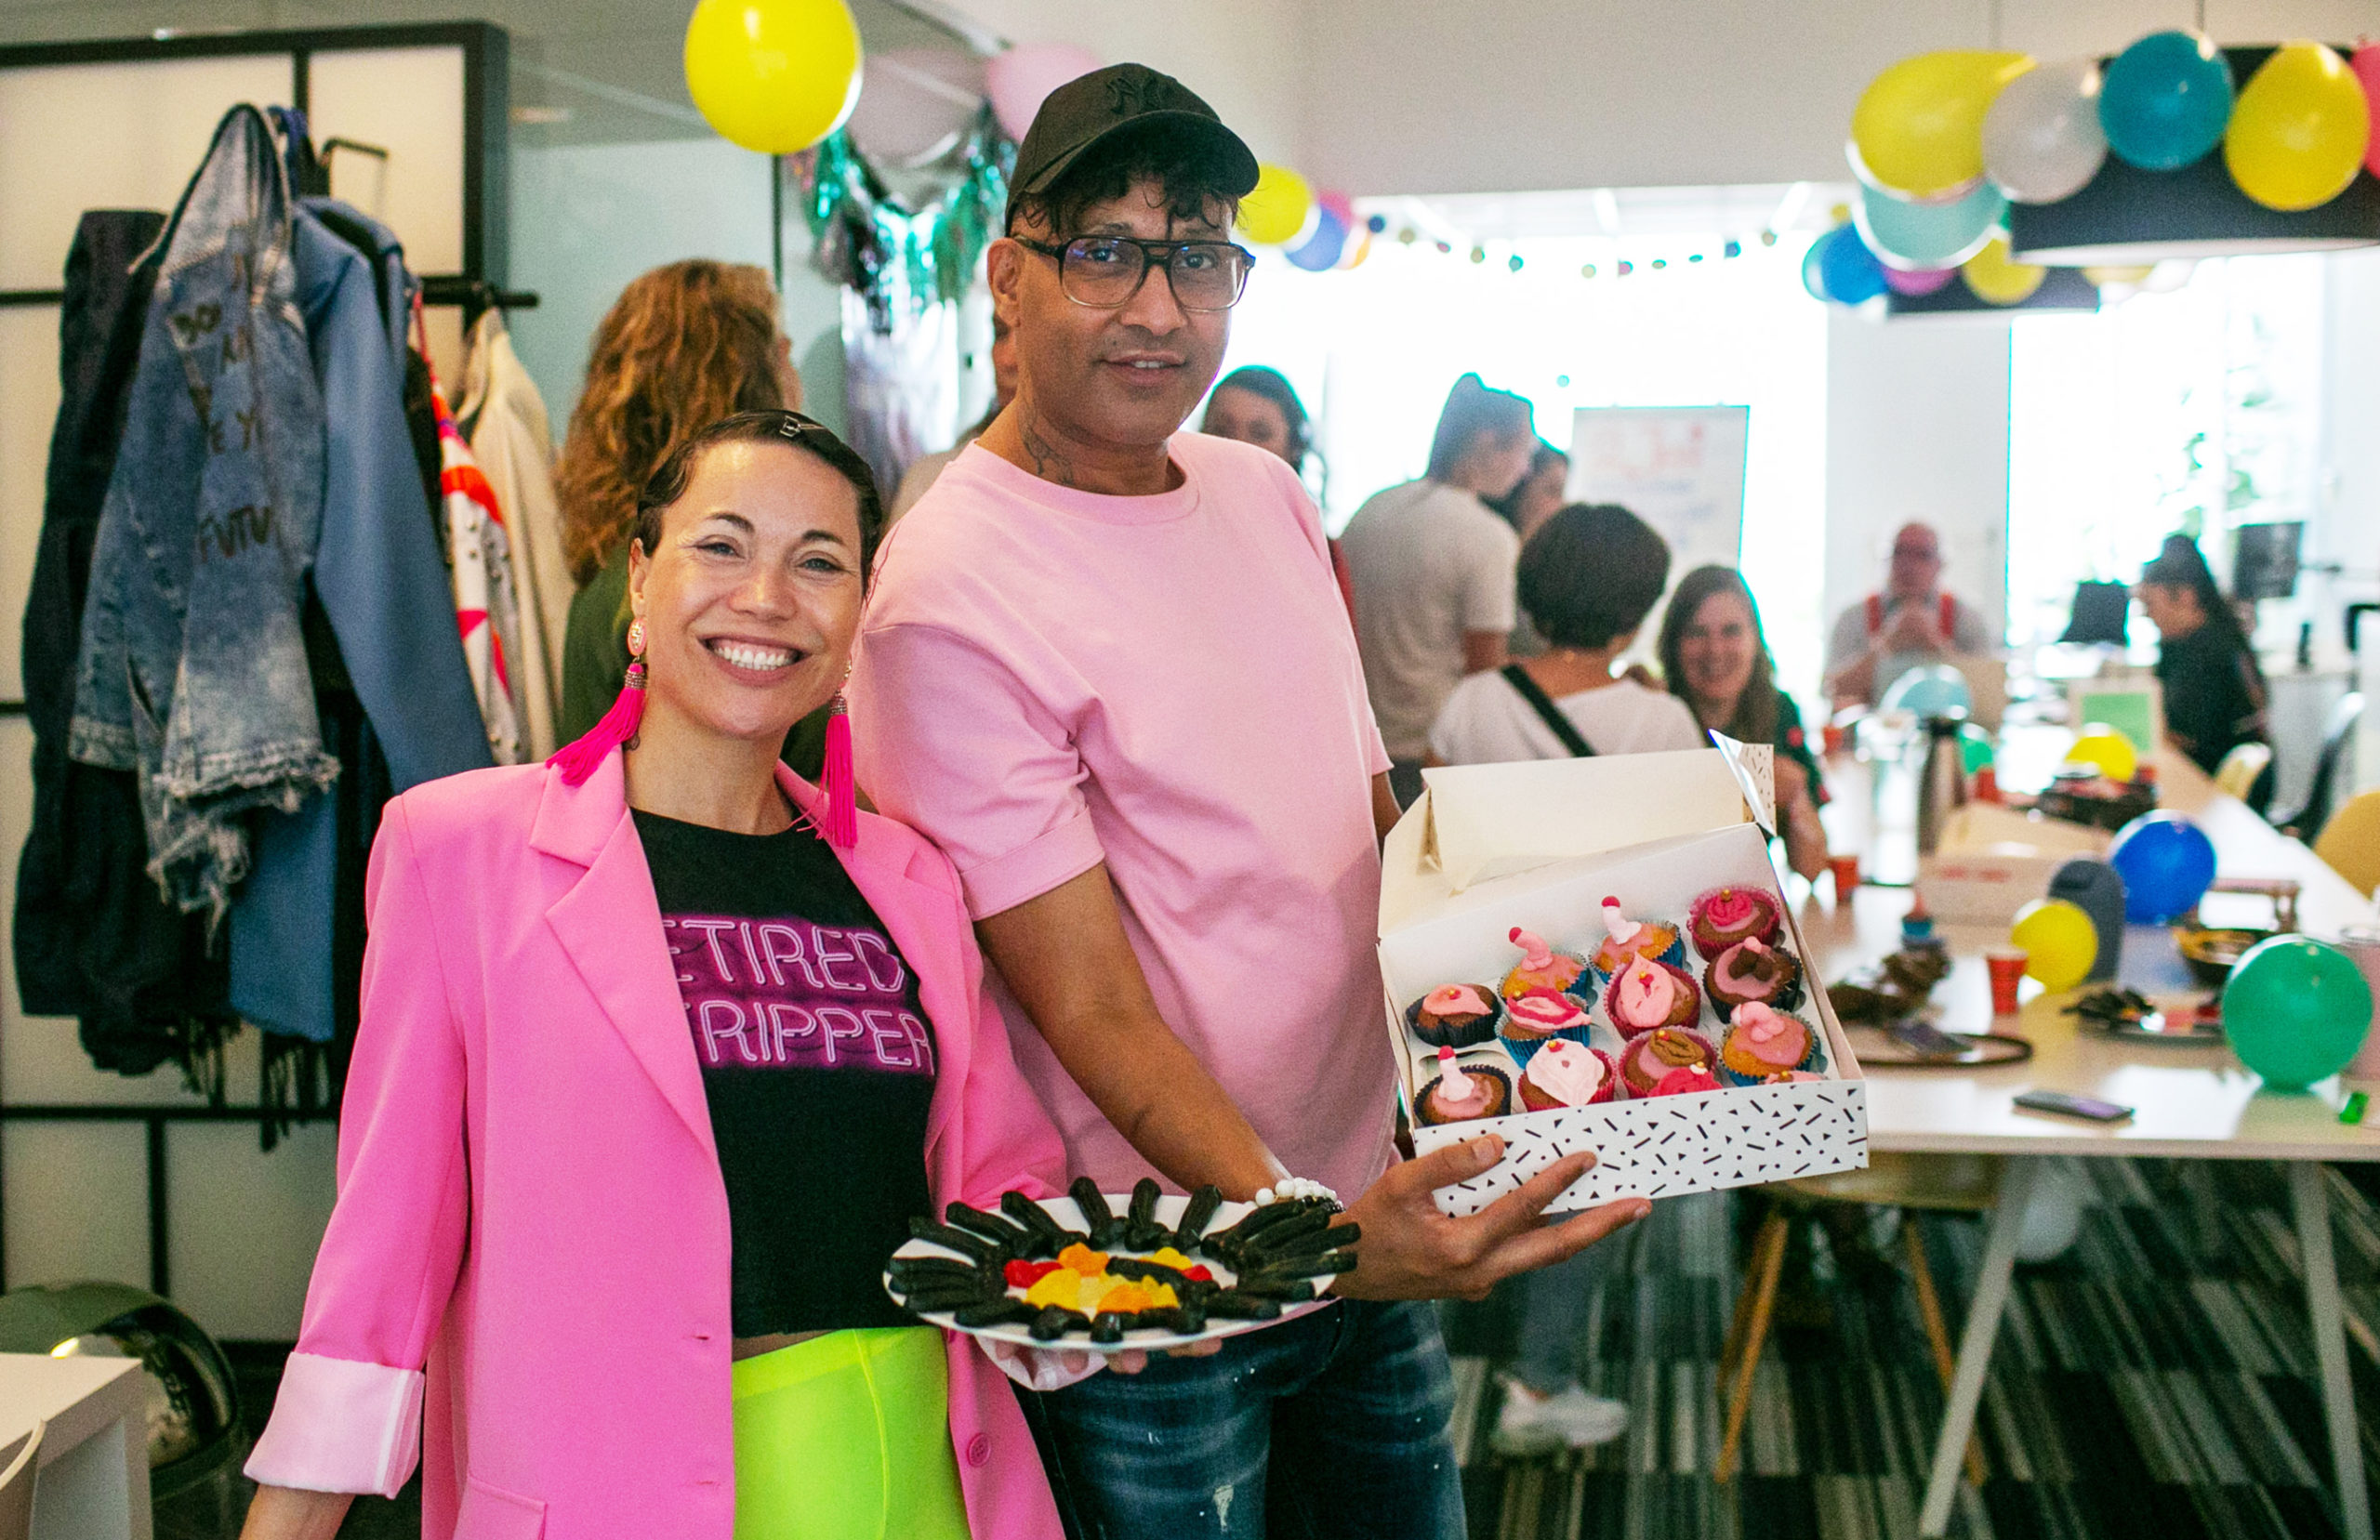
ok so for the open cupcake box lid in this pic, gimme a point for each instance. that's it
(1538, 845)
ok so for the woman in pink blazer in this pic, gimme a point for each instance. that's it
(660, 1050)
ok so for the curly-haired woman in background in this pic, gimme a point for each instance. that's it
(682, 347)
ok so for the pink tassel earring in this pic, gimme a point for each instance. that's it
(837, 786)
(617, 729)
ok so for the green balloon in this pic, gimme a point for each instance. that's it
(2295, 1011)
(1975, 747)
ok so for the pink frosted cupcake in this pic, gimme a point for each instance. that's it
(1462, 1093)
(1753, 972)
(1645, 994)
(1725, 917)
(1765, 1044)
(1540, 1017)
(1661, 1051)
(1685, 1082)
(1567, 1074)
(1626, 938)
(1456, 1015)
(1542, 970)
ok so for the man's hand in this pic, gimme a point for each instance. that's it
(1411, 1251)
(1913, 630)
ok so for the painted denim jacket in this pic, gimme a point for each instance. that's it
(192, 668)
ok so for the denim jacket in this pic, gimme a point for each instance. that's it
(192, 668)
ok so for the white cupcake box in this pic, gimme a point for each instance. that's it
(1538, 846)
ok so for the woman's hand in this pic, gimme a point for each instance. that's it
(286, 1513)
(1797, 820)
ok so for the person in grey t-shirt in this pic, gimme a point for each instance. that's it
(1911, 623)
(1432, 569)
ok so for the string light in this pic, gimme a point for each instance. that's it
(1514, 262)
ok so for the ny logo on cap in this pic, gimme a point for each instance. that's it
(1130, 94)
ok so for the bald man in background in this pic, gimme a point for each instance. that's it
(1911, 623)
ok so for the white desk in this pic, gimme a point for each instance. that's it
(2193, 1102)
(94, 1480)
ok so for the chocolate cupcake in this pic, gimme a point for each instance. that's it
(1456, 1015)
(1753, 972)
(1625, 938)
(1645, 994)
(1463, 1092)
(1541, 968)
(1568, 1075)
(1541, 1016)
(1724, 916)
(1764, 1044)
(1645, 1060)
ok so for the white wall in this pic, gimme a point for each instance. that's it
(2349, 533)
(1917, 428)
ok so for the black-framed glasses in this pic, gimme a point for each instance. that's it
(1103, 272)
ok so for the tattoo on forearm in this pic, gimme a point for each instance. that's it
(1050, 462)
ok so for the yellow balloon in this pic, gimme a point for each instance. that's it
(2105, 276)
(1279, 208)
(1998, 281)
(1919, 127)
(2061, 942)
(2298, 131)
(2104, 749)
(773, 75)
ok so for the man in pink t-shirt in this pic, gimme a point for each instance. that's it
(1106, 668)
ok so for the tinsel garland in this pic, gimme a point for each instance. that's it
(865, 238)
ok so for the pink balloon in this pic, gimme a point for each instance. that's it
(1925, 281)
(1020, 79)
(2366, 65)
(1340, 205)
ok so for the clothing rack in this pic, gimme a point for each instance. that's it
(486, 55)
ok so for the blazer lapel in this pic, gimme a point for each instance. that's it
(610, 925)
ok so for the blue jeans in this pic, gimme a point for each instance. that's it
(1333, 1425)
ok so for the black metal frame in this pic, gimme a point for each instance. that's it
(486, 241)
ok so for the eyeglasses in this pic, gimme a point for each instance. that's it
(1103, 273)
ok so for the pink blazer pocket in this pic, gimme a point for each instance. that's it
(492, 1513)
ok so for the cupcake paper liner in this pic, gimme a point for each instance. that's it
(1512, 1097)
(1814, 1061)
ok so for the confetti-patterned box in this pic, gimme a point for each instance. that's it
(1654, 830)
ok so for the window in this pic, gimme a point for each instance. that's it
(2196, 411)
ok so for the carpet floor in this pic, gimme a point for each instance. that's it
(2155, 1380)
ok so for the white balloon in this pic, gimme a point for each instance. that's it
(914, 104)
(2054, 1220)
(2041, 139)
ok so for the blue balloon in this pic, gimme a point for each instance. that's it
(1814, 266)
(1930, 690)
(2165, 101)
(1852, 274)
(1921, 237)
(2166, 863)
(1320, 251)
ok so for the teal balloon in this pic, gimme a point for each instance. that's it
(1852, 274)
(2165, 100)
(1932, 689)
(1814, 266)
(2166, 863)
(2295, 1011)
(1975, 748)
(1929, 236)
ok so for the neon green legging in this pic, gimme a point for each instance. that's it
(846, 1437)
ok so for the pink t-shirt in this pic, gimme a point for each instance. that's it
(1047, 679)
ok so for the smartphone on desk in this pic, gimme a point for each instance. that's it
(2074, 1106)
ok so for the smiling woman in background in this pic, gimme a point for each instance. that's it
(616, 1184)
(1716, 660)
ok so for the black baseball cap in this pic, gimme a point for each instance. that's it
(1093, 109)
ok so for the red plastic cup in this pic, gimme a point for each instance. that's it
(1847, 874)
(2007, 968)
(1831, 738)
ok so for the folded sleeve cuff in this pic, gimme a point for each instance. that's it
(1031, 870)
(341, 1425)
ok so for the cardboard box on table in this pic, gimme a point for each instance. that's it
(1538, 845)
(1992, 863)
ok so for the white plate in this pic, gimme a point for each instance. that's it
(1069, 1217)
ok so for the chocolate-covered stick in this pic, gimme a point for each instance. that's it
(1056, 1321)
(1197, 1215)
(1101, 1221)
(1142, 1232)
(1284, 1237)
(1049, 1239)
(1323, 1265)
(958, 1240)
(991, 1226)
(995, 1312)
(1231, 1305)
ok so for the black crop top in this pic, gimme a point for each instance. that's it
(817, 1061)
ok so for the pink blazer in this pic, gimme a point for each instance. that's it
(531, 1226)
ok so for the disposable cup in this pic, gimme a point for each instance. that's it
(1846, 873)
(2006, 964)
